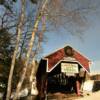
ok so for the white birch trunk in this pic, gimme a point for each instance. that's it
(30, 49)
(19, 31)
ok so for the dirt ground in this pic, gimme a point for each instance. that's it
(91, 96)
(61, 96)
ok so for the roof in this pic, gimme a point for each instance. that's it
(58, 55)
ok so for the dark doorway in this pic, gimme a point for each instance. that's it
(60, 82)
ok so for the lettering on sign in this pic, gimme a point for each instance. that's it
(69, 68)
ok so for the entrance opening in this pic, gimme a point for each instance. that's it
(61, 83)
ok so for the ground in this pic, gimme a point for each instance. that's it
(92, 96)
(61, 96)
(87, 96)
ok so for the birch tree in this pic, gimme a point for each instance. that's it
(19, 31)
(38, 18)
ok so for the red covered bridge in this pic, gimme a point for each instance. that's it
(58, 55)
(62, 68)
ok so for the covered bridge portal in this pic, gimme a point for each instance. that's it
(64, 71)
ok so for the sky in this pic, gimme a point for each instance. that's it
(89, 45)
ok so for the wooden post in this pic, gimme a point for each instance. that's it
(78, 87)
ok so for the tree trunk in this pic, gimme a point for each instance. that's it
(26, 65)
(30, 48)
(33, 87)
(19, 31)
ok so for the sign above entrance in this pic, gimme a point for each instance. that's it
(69, 68)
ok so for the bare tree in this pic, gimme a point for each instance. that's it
(19, 31)
(40, 14)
